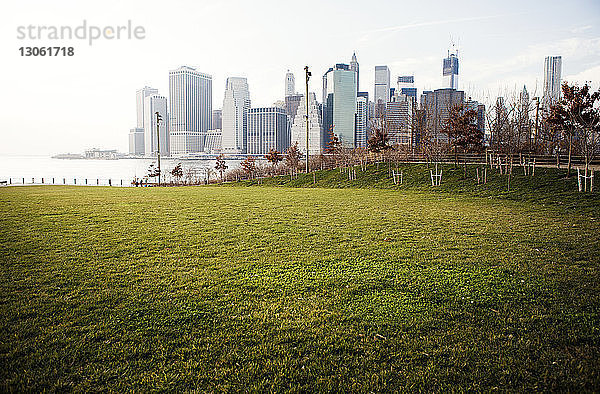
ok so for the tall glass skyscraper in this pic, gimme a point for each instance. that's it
(552, 76)
(450, 71)
(190, 115)
(236, 104)
(340, 105)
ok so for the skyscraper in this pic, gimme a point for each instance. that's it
(290, 85)
(382, 85)
(140, 96)
(399, 119)
(362, 120)
(406, 86)
(437, 106)
(340, 106)
(236, 104)
(354, 67)
(552, 76)
(217, 116)
(267, 129)
(190, 109)
(136, 141)
(298, 132)
(450, 71)
(291, 105)
(153, 104)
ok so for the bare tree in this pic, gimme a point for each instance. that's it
(221, 166)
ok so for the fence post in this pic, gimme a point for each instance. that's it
(74, 181)
(53, 181)
(592, 182)
(578, 179)
(42, 180)
(64, 181)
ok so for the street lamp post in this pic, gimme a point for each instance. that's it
(308, 74)
(158, 120)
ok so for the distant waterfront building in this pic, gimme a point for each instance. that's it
(217, 117)
(339, 108)
(136, 141)
(152, 105)
(140, 95)
(552, 80)
(437, 105)
(267, 129)
(406, 86)
(298, 130)
(354, 67)
(290, 84)
(236, 104)
(450, 71)
(362, 120)
(382, 85)
(213, 143)
(190, 109)
(101, 154)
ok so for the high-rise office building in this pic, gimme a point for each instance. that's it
(217, 119)
(140, 96)
(298, 131)
(236, 104)
(153, 104)
(362, 120)
(136, 141)
(399, 120)
(290, 85)
(450, 71)
(382, 85)
(552, 80)
(190, 109)
(340, 104)
(267, 129)
(136, 135)
(354, 67)
(291, 105)
(437, 105)
(406, 86)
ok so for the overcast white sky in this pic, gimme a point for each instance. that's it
(68, 104)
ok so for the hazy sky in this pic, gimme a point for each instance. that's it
(67, 104)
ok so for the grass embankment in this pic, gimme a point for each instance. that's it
(547, 186)
(218, 288)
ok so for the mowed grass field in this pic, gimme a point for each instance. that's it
(273, 288)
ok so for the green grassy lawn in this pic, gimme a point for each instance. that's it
(275, 288)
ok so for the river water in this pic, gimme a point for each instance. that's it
(31, 169)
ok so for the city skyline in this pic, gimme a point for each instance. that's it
(501, 46)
